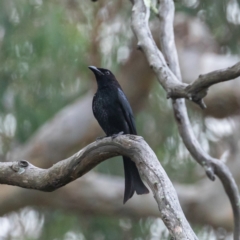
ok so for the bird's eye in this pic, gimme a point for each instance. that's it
(107, 73)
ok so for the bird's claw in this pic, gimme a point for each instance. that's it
(116, 135)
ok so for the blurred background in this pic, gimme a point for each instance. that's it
(46, 92)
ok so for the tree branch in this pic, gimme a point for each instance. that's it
(197, 90)
(169, 80)
(24, 174)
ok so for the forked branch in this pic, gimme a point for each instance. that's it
(169, 80)
(168, 75)
(197, 90)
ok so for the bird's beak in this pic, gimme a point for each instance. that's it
(95, 70)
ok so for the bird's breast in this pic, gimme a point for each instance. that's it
(109, 114)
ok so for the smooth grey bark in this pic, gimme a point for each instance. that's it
(26, 175)
(166, 67)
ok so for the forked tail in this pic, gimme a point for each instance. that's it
(133, 181)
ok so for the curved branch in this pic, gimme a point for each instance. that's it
(25, 175)
(169, 80)
(206, 80)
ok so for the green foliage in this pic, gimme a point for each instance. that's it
(42, 58)
(58, 225)
(105, 228)
(222, 18)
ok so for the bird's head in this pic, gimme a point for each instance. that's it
(103, 76)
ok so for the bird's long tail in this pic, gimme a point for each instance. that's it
(133, 181)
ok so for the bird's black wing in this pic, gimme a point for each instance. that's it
(94, 105)
(127, 111)
(133, 180)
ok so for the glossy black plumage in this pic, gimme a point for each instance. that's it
(114, 114)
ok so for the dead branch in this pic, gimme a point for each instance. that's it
(197, 90)
(24, 174)
(169, 80)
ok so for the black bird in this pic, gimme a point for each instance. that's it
(114, 114)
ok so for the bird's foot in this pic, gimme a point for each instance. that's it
(117, 134)
(100, 138)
